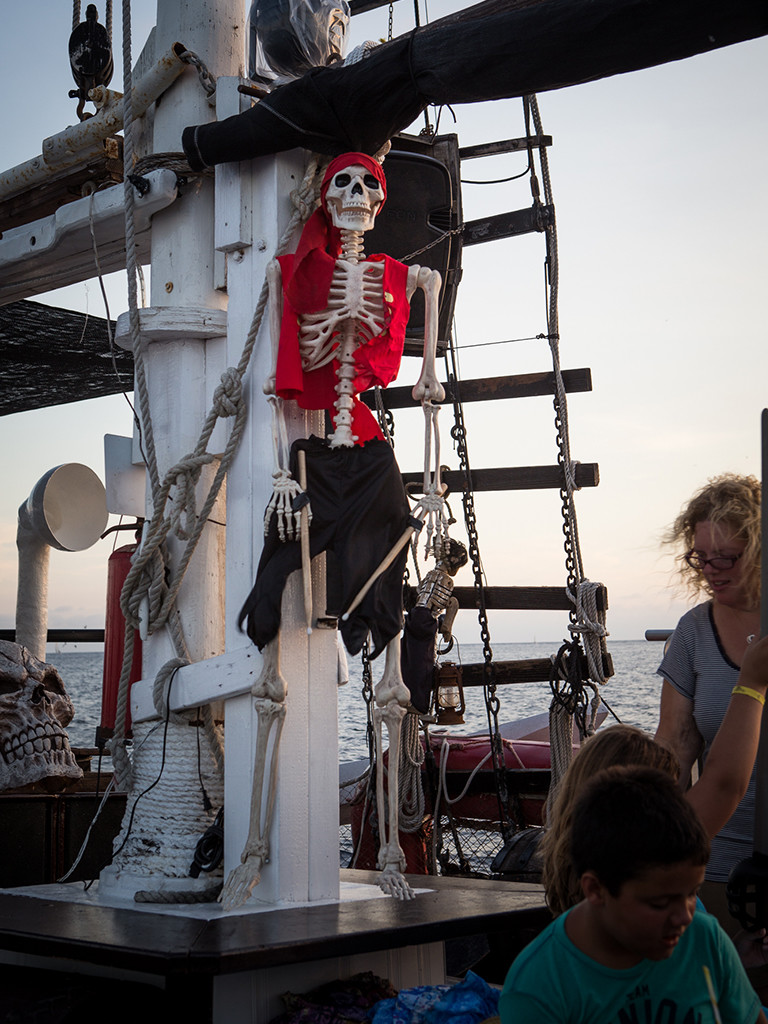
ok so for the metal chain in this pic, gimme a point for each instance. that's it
(385, 418)
(370, 732)
(573, 562)
(391, 16)
(492, 704)
(436, 241)
(207, 80)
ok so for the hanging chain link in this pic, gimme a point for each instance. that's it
(370, 731)
(207, 80)
(385, 418)
(492, 703)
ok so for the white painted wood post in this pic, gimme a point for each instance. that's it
(253, 209)
(184, 357)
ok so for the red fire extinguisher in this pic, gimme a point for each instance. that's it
(114, 642)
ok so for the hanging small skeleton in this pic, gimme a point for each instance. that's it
(338, 325)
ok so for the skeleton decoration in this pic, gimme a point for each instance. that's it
(434, 610)
(337, 323)
(34, 711)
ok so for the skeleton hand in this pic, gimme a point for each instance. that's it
(437, 521)
(287, 501)
(242, 880)
(393, 883)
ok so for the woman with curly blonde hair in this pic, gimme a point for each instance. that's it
(718, 791)
(717, 535)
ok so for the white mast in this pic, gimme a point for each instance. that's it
(209, 257)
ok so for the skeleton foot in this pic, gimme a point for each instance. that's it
(391, 858)
(242, 881)
(392, 883)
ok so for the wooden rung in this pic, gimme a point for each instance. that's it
(524, 598)
(509, 224)
(516, 478)
(518, 385)
(505, 146)
(530, 670)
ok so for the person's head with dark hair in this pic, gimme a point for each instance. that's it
(618, 744)
(639, 851)
(629, 819)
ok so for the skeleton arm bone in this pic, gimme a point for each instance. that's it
(275, 293)
(285, 489)
(428, 387)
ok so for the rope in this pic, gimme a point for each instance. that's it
(209, 895)
(410, 789)
(175, 162)
(560, 746)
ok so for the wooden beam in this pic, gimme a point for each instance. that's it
(64, 186)
(507, 225)
(515, 478)
(505, 146)
(530, 670)
(547, 599)
(63, 636)
(520, 385)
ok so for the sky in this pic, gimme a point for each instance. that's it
(662, 212)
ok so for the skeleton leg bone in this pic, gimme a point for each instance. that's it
(391, 697)
(269, 691)
(306, 558)
(246, 876)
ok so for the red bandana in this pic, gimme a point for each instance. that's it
(320, 242)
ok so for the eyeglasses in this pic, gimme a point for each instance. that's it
(719, 562)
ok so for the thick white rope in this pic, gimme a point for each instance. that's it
(410, 789)
(560, 748)
(163, 837)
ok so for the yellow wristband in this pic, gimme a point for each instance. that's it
(747, 692)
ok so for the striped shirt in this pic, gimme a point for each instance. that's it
(696, 665)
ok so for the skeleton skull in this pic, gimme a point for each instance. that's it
(353, 198)
(34, 710)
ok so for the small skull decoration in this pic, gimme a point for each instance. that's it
(353, 198)
(34, 710)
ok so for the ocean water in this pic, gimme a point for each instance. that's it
(632, 693)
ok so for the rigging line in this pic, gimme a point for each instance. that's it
(507, 341)
(496, 181)
(435, 241)
(110, 336)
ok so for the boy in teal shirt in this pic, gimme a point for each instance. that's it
(635, 950)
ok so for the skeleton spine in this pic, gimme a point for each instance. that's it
(352, 251)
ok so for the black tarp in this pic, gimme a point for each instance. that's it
(495, 50)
